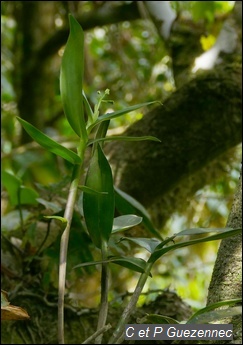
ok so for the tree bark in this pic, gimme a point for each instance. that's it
(196, 124)
(226, 282)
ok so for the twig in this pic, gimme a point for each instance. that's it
(97, 333)
(63, 249)
(104, 294)
(118, 335)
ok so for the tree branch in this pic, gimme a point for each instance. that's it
(104, 15)
(196, 124)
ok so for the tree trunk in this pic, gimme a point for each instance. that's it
(226, 282)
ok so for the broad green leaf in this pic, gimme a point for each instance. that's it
(126, 204)
(158, 319)
(125, 222)
(124, 111)
(99, 207)
(18, 194)
(123, 138)
(49, 144)
(71, 79)
(161, 251)
(196, 316)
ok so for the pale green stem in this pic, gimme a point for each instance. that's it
(68, 214)
(118, 335)
(104, 293)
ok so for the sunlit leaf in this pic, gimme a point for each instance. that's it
(11, 312)
(125, 222)
(49, 144)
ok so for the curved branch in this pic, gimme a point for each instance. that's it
(196, 124)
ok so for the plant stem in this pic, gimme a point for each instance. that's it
(93, 336)
(104, 293)
(20, 210)
(117, 337)
(68, 214)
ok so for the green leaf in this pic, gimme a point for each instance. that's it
(18, 194)
(125, 222)
(28, 196)
(49, 144)
(101, 132)
(124, 111)
(216, 315)
(158, 319)
(161, 251)
(62, 219)
(200, 231)
(99, 207)
(88, 190)
(147, 243)
(134, 264)
(49, 205)
(88, 110)
(126, 204)
(123, 138)
(199, 316)
(71, 79)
